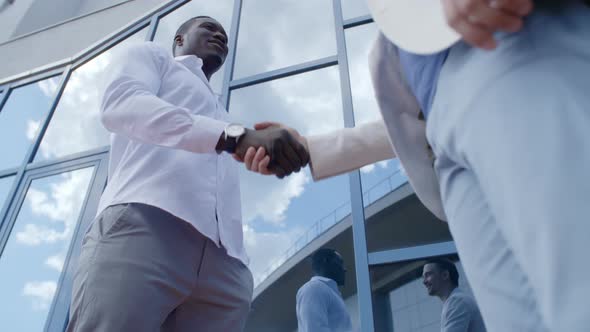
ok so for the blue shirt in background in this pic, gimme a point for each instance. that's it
(320, 307)
(421, 73)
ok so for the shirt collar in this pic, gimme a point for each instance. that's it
(327, 281)
(194, 64)
(454, 291)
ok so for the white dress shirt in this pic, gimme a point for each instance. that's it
(165, 121)
(320, 307)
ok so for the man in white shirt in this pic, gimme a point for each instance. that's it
(320, 307)
(460, 312)
(166, 251)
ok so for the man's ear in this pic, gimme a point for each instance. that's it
(179, 40)
(446, 275)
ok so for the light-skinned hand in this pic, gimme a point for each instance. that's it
(477, 20)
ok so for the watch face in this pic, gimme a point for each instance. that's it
(235, 130)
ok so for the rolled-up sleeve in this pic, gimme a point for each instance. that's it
(131, 106)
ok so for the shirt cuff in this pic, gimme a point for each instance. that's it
(204, 134)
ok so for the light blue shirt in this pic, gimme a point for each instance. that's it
(421, 73)
(461, 314)
(320, 307)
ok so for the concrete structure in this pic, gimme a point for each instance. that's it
(301, 62)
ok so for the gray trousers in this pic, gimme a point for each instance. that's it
(511, 132)
(142, 269)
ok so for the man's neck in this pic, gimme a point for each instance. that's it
(444, 295)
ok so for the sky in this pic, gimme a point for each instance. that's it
(275, 212)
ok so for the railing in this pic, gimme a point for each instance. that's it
(370, 196)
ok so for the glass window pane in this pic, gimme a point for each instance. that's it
(399, 286)
(21, 117)
(5, 186)
(276, 34)
(275, 305)
(279, 213)
(354, 8)
(34, 255)
(221, 10)
(75, 126)
(381, 178)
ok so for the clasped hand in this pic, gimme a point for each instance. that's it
(278, 150)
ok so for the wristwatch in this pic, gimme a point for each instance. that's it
(232, 134)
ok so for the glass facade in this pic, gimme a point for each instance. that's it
(309, 102)
(21, 117)
(294, 62)
(5, 185)
(77, 112)
(277, 34)
(34, 255)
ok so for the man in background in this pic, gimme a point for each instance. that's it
(320, 307)
(460, 312)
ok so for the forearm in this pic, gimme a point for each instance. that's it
(143, 116)
(348, 149)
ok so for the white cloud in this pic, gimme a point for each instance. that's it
(32, 129)
(368, 169)
(267, 198)
(34, 235)
(59, 207)
(383, 163)
(371, 167)
(40, 292)
(78, 113)
(266, 248)
(275, 30)
(49, 86)
(55, 262)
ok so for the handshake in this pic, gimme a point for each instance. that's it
(272, 149)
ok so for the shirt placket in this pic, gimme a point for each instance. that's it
(219, 167)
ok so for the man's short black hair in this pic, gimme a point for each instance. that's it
(184, 27)
(321, 257)
(446, 265)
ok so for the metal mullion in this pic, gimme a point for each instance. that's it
(6, 89)
(69, 158)
(8, 172)
(171, 7)
(363, 280)
(12, 205)
(285, 72)
(412, 253)
(39, 137)
(108, 43)
(58, 313)
(231, 56)
(354, 22)
(58, 169)
(153, 28)
(140, 24)
(5, 206)
(38, 77)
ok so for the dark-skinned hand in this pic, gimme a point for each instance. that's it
(287, 154)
